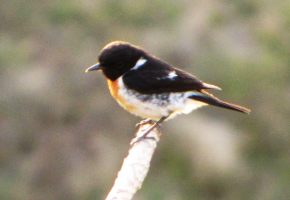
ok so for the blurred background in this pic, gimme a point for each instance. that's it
(63, 137)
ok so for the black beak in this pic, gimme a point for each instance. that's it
(93, 67)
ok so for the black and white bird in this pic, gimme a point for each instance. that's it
(149, 87)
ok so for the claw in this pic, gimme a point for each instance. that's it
(145, 121)
(153, 124)
(147, 131)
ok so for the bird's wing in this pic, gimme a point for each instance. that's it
(156, 76)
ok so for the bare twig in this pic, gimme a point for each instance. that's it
(136, 165)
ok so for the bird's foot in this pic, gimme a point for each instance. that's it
(144, 121)
(146, 132)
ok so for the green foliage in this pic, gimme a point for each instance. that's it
(63, 137)
(65, 12)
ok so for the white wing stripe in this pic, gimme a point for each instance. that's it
(172, 75)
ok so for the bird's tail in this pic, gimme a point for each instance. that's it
(212, 100)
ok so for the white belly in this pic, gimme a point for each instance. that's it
(155, 106)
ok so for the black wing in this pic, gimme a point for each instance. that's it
(156, 76)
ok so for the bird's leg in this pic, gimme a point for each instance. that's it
(144, 136)
(144, 121)
(159, 122)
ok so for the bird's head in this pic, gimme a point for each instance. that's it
(117, 58)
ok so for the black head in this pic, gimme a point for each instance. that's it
(117, 58)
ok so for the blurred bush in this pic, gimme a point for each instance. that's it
(63, 137)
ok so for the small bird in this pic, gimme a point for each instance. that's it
(150, 88)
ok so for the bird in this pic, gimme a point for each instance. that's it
(151, 88)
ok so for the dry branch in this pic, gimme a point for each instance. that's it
(136, 165)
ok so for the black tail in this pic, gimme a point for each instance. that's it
(212, 100)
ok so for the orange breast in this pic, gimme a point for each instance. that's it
(114, 90)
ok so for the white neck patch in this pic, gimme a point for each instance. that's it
(140, 62)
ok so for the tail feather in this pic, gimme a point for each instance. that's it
(212, 100)
(210, 86)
